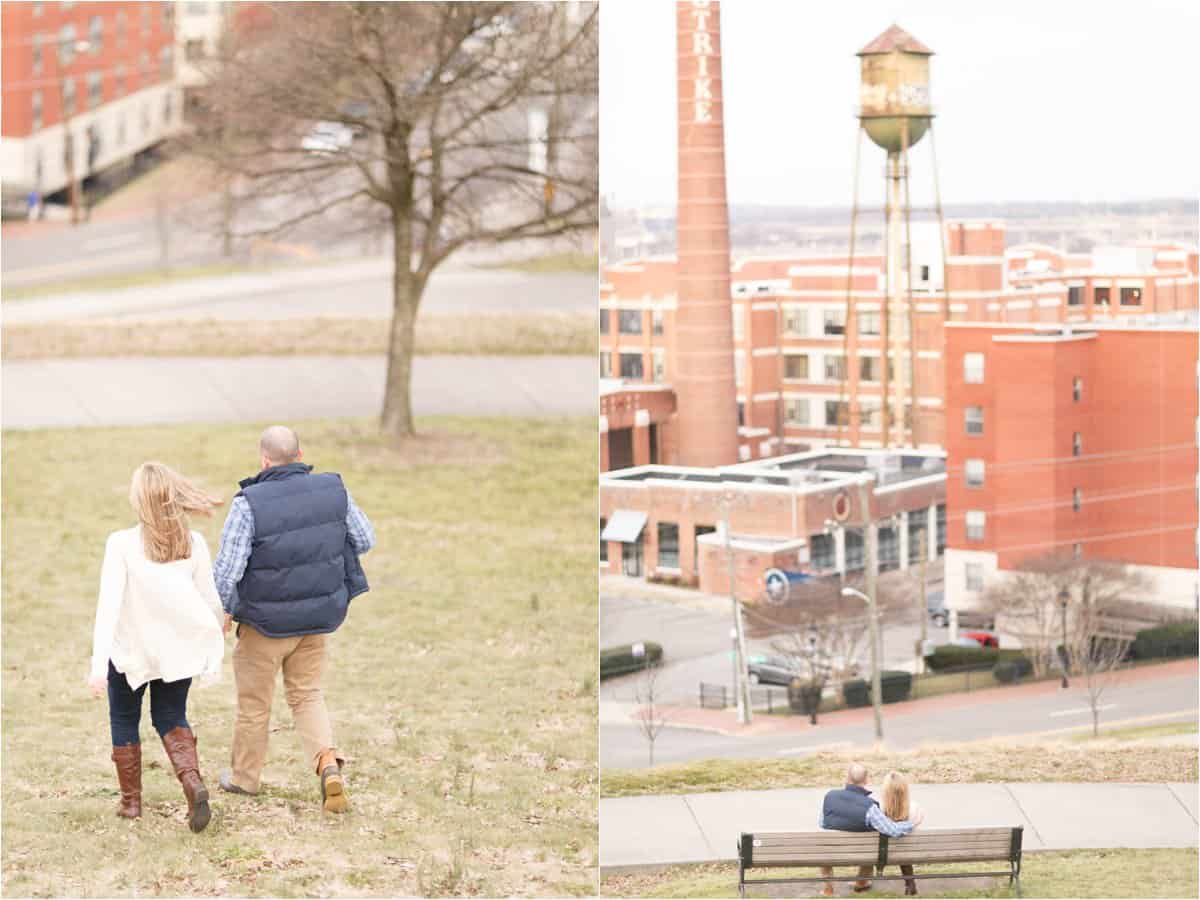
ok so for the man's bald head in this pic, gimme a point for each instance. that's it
(279, 446)
(856, 774)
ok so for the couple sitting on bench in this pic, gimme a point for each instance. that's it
(853, 809)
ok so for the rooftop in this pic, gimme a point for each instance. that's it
(895, 38)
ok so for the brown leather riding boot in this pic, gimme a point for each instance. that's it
(333, 789)
(180, 745)
(128, 760)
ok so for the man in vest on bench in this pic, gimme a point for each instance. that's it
(853, 809)
(286, 572)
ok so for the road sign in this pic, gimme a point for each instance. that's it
(776, 581)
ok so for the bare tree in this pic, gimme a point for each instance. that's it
(472, 123)
(651, 717)
(1026, 605)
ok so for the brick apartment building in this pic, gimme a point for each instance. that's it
(667, 522)
(113, 95)
(1073, 439)
(792, 340)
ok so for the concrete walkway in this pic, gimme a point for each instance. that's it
(95, 392)
(637, 832)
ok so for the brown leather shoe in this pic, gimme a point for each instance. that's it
(333, 789)
(128, 760)
(860, 886)
(180, 745)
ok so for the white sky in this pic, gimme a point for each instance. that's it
(1038, 100)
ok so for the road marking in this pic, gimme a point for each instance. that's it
(115, 240)
(1081, 710)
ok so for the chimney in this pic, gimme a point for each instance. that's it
(704, 369)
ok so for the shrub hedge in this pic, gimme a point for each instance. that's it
(895, 686)
(1176, 639)
(952, 657)
(1010, 670)
(620, 660)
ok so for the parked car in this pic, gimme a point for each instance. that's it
(985, 638)
(962, 641)
(935, 603)
(327, 137)
(770, 670)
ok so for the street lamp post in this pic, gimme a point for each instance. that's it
(876, 680)
(1063, 597)
(80, 46)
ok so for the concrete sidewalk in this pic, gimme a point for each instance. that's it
(639, 832)
(95, 392)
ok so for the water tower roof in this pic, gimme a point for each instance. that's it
(895, 38)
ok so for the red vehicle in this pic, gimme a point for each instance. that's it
(986, 639)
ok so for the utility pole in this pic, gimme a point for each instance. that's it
(871, 535)
(923, 612)
(741, 685)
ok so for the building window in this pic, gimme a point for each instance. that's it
(37, 8)
(870, 368)
(1078, 551)
(96, 34)
(668, 545)
(119, 81)
(836, 413)
(1077, 389)
(659, 358)
(193, 51)
(1102, 295)
(95, 90)
(629, 321)
(835, 322)
(1074, 296)
(739, 367)
(631, 366)
(166, 63)
(868, 322)
(854, 549)
(603, 542)
(924, 273)
(974, 419)
(1077, 444)
(795, 321)
(795, 411)
(604, 317)
(1131, 296)
(167, 108)
(168, 16)
(741, 409)
(822, 552)
(795, 366)
(889, 548)
(835, 367)
(36, 100)
(120, 28)
(197, 9)
(973, 368)
(1076, 499)
(145, 20)
(606, 365)
(974, 470)
(68, 97)
(941, 529)
(976, 520)
(144, 66)
(739, 323)
(37, 54)
(656, 321)
(974, 576)
(918, 526)
(870, 413)
(66, 45)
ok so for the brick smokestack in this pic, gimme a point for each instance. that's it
(704, 369)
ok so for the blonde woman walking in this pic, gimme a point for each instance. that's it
(158, 623)
(899, 808)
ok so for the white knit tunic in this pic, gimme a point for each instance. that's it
(157, 620)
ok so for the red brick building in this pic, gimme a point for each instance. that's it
(101, 75)
(1073, 439)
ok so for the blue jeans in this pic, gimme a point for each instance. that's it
(168, 706)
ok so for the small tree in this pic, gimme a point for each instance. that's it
(474, 123)
(1026, 605)
(651, 718)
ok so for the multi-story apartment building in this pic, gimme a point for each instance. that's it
(1077, 441)
(94, 82)
(199, 25)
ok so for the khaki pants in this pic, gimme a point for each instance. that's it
(256, 661)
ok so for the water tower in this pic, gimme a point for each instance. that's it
(895, 113)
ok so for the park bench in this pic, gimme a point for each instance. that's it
(925, 846)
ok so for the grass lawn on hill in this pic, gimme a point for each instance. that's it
(462, 687)
(1074, 873)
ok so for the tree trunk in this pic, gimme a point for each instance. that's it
(397, 420)
(1095, 719)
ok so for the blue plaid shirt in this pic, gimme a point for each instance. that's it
(879, 821)
(237, 538)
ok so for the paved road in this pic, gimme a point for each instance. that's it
(695, 828)
(359, 288)
(1000, 712)
(70, 392)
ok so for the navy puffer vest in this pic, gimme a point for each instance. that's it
(302, 570)
(846, 809)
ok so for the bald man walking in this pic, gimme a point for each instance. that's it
(286, 572)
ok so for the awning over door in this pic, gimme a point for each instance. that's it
(625, 526)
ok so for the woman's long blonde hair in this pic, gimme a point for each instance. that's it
(162, 499)
(895, 797)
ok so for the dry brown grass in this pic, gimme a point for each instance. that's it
(941, 764)
(494, 334)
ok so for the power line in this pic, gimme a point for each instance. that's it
(1092, 538)
(1085, 500)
